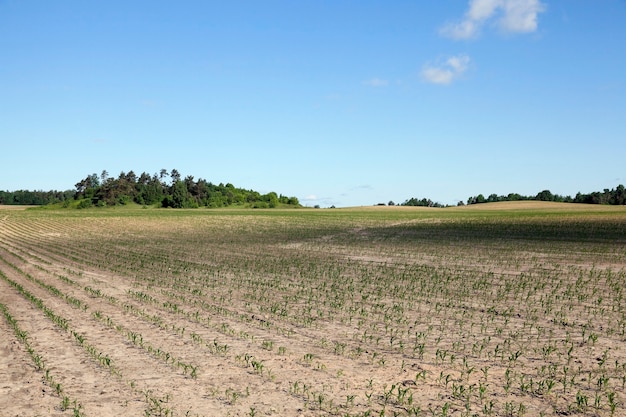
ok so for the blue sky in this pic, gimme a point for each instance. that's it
(338, 102)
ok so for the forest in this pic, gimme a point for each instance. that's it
(163, 189)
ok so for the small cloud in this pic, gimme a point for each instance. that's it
(521, 16)
(446, 72)
(311, 197)
(376, 82)
(99, 140)
(462, 30)
(479, 11)
(512, 16)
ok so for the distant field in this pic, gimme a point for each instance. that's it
(504, 309)
(4, 207)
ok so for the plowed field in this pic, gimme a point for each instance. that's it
(517, 311)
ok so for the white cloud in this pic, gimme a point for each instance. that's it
(512, 16)
(521, 16)
(377, 82)
(447, 71)
(482, 9)
(311, 197)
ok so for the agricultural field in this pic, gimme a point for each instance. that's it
(505, 309)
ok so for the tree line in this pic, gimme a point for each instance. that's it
(162, 189)
(34, 198)
(615, 196)
(424, 202)
(169, 189)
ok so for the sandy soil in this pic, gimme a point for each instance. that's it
(174, 318)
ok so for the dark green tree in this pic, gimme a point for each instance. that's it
(545, 195)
